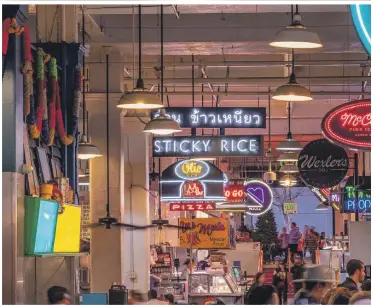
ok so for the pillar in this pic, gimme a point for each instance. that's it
(15, 265)
(135, 199)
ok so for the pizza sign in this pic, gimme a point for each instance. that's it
(191, 206)
(349, 125)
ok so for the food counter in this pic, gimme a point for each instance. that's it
(206, 286)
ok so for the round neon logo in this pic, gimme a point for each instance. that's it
(192, 170)
(361, 15)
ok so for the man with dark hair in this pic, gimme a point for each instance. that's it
(316, 283)
(153, 298)
(356, 272)
(312, 243)
(294, 236)
(58, 296)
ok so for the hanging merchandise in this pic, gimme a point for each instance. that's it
(10, 27)
(52, 101)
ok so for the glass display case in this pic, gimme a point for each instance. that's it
(204, 286)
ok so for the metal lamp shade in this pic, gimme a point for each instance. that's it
(88, 151)
(296, 37)
(269, 176)
(288, 156)
(289, 168)
(292, 92)
(140, 99)
(162, 126)
(289, 144)
(288, 181)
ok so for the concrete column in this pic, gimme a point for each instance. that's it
(135, 199)
(57, 23)
(105, 243)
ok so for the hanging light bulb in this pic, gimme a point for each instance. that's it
(288, 181)
(292, 91)
(296, 36)
(140, 97)
(87, 150)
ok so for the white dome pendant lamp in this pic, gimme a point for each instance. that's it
(296, 36)
(140, 98)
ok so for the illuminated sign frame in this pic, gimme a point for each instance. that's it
(191, 206)
(172, 183)
(257, 204)
(234, 193)
(361, 16)
(212, 117)
(335, 125)
(287, 207)
(208, 146)
(322, 164)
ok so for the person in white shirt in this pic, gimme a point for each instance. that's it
(153, 299)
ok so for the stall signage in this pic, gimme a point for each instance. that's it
(362, 205)
(208, 117)
(259, 197)
(319, 194)
(192, 181)
(208, 146)
(353, 202)
(361, 16)
(335, 198)
(349, 125)
(234, 193)
(205, 233)
(322, 164)
(290, 208)
(192, 206)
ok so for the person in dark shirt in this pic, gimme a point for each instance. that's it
(366, 285)
(356, 272)
(278, 281)
(297, 271)
(58, 296)
(312, 244)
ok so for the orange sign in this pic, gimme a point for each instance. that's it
(192, 189)
(206, 233)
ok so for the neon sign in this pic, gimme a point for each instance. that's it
(192, 189)
(192, 181)
(349, 125)
(322, 164)
(208, 117)
(234, 193)
(208, 146)
(361, 203)
(192, 206)
(361, 15)
(259, 197)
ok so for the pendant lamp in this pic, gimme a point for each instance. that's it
(289, 168)
(140, 98)
(288, 180)
(269, 176)
(288, 156)
(292, 91)
(289, 144)
(86, 150)
(162, 125)
(296, 35)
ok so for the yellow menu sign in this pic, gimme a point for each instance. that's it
(206, 233)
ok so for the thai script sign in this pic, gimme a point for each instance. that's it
(207, 117)
(208, 146)
(349, 125)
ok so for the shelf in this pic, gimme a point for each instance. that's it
(58, 255)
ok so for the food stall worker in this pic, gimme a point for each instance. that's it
(186, 270)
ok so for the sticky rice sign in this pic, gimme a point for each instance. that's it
(206, 233)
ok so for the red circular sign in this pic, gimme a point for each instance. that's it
(349, 125)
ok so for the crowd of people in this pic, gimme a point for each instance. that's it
(298, 243)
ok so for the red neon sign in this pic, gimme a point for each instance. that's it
(234, 193)
(191, 206)
(349, 125)
(192, 189)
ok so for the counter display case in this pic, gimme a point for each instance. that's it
(205, 286)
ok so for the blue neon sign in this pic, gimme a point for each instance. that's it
(364, 205)
(361, 16)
